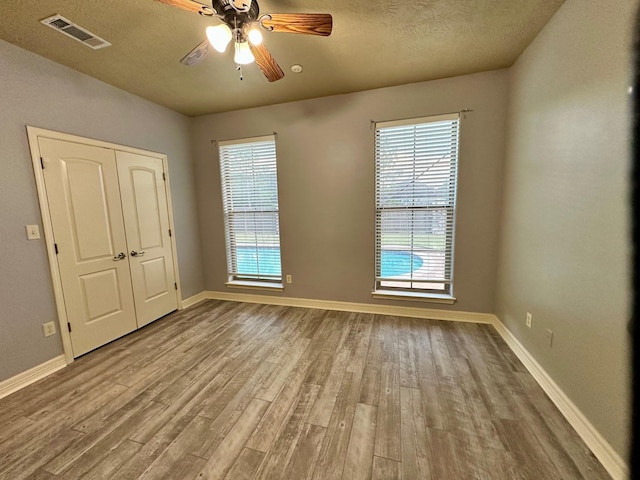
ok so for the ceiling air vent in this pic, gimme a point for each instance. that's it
(70, 29)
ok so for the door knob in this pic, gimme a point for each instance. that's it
(121, 256)
(137, 254)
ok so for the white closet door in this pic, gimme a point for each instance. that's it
(84, 205)
(144, 205)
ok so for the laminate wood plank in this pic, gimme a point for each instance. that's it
(186, 466)
(528, 452)
(39, 475)
(442, 357)
(244, 384)
(571, 456)
(112, 462)
(305, 455)
(478, 407)
(56, 421)
(489, 370)
(415, 455)
(151, 450)
(81, 456)
(388, 334)
(388, 437)
(400, 398)
(330, 463)
(288, 362)
(385, 469)
(33, 459)
(230, 413)
(279, 411)
(96, 419)
(246, 465)
(281, 450)
(206, 370)
(323, 407)
(428, 379)
(224, 456)
(292, 335)
(370, 387)
(408, 361)
(360, 346)
(336, 334)
(359, 461)
(443, 462)
(195, 432)
(459, 423)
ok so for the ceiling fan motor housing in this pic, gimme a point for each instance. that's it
(233, 17)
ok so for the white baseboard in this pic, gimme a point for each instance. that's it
(414, 312)
(32, 375)
(197, 298)
(608, 457)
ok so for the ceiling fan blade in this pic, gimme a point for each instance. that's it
(197, 54)
(190, 6)
(266, 62)
(306, 23)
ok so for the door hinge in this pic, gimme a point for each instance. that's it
(164, 177)
(175, 285)
(42, 162)
(69, 327)
(55, 245)
(169, 232)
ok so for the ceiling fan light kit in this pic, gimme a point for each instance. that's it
(243, 55)
(219, 37)
(242, 22)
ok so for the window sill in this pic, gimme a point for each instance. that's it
(255, 285)
(415, 296)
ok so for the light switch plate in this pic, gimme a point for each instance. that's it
(33, 232)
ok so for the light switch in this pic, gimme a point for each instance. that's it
(33, 232)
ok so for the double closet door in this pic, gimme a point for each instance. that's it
(109, 214)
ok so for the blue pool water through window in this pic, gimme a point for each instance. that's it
(266, 261)
(399, 262)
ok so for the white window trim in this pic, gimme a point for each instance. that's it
(417, 294)
(275, 282)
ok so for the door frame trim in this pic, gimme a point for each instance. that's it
(33, 134)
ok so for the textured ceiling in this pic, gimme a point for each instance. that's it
(375, 43)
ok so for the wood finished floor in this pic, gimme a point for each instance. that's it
(243, 391)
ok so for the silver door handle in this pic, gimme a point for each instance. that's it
(137, 254)
(121, 256)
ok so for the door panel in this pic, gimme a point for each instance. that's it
(146, 217)
(84, 205)
(101, 293)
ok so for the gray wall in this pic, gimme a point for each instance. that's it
(326, 189)
(564, 253)
(37, 92)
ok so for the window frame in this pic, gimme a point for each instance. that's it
(236, 277)
(384, 286)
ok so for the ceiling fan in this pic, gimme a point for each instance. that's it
(242, 23)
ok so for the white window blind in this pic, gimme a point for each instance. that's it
(416, 172)
(250, 202)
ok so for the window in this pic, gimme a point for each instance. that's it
(250, 203)
(416, 165)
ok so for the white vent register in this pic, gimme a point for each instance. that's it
(70, 29)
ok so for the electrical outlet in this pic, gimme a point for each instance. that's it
(529, 319)
(289, 279)
(49, 329)
(33, 232)
(549, 338)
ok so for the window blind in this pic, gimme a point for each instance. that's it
(250, 203)
(416, 172)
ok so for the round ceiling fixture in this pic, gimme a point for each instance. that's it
(296, 68)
